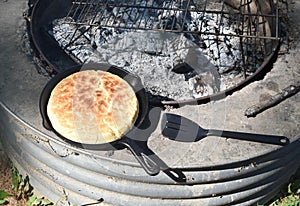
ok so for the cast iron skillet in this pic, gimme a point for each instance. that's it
(136, 144)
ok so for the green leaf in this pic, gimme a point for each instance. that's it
(16, 179)
(35, 201)
(3, 195)
(31, 200)
(2, 202)
(45, 202)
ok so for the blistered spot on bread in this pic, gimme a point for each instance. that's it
(109, 83)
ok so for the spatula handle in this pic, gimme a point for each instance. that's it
(262, 138)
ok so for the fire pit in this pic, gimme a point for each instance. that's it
(207, 47)
(213, 171)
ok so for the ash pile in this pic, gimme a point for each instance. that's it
(175, 51)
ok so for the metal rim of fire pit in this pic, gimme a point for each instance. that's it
(56, 59)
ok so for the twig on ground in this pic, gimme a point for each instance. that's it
(272, 101)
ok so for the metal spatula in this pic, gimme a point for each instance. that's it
(181, 129)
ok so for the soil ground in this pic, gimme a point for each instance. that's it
(6, 181)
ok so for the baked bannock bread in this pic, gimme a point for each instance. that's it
(92, 107)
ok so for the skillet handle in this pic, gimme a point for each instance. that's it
(263, 138)
(143, 156)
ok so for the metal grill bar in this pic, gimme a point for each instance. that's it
(94, 14)
(132, 15)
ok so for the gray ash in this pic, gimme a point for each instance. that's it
(152, 55)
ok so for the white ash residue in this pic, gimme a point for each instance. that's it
(153, 54)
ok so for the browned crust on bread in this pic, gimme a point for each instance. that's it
(92, 107)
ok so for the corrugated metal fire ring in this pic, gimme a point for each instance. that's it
(52, 163)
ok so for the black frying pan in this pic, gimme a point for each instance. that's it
(134, 143)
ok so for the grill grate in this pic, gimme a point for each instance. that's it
(131, 14)
(257, 31)
(235, 39)
(141, 15)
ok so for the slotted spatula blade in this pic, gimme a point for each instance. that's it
(178, 128)
(181, 129)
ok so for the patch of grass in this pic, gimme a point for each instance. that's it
(23, 191)
(20, 186)
(20, 192)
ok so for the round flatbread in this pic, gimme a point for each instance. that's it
(92, 107)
